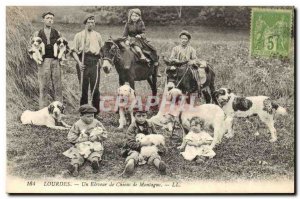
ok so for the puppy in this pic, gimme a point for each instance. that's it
(260, 106)
(49, 116)
(61, 49)
(152, 139)
(150, 143)
(37, 50)
(126, 98)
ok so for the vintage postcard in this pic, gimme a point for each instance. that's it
(150, 99)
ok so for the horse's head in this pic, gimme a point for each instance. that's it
(171, 72)
(111, 53)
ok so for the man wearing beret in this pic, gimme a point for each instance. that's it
(86, 52)
(49, 72)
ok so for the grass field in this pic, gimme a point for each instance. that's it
(36, 152)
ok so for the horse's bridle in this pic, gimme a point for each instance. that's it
(179, 81)
(115, 54)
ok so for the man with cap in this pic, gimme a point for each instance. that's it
(132, 147)
(86, 52)
(82, 132)
(49, 72)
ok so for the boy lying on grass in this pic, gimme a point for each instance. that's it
(196, 144)
(87, 135)
(133, 146)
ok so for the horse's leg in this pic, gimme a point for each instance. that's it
(154, 90)
(154, 85)
(207, 97)
(121, 81)
(131, 82)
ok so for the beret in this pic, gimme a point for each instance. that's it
(86, 108)
(140, 109)
(47, 13)
(186, 33)
(89, 16)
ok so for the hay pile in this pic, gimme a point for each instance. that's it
(21, 72)
(22, 88)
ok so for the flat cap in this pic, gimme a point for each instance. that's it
(86, 108)
(47, 13)
(89, 16)
(140, 109)
(186, 33)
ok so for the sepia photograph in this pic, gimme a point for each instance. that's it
(150, 99)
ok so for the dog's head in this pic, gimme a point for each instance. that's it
(56, 109)
(125, 91)
(174, 94)
(61, 42)
(36, 41)
(223, 95)
(139, 137)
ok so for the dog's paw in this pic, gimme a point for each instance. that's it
(256, 133)
(273, 140)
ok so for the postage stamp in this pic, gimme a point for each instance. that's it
(271, 32)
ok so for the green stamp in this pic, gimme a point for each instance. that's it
(271, 32)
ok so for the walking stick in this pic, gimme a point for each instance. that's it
(82, 58)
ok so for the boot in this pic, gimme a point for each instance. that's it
(156, 65)
(129, 168)
(142, 56)
(162, 167)
(73, 170)
(95, 166)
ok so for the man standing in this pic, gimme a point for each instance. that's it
(49, 72)
(86, 52)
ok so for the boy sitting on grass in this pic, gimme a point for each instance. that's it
(132, 147)
(87, 135)
(196, 144)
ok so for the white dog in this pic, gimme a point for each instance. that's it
(260, 106)
(150, 143)
(61, 49)
(212, 115)
(126, 100)
(50, 116)
(37, 50)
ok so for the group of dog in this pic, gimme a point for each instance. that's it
(37, 49)
(218, 117)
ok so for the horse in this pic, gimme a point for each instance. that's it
(180, 75)
(116, 53)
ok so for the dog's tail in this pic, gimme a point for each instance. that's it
(279, 109)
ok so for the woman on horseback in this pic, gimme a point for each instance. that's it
(135, 32)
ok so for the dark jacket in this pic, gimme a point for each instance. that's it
(54, 35)
(132, 29)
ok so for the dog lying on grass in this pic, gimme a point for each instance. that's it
(50, 116)
(261, 106)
